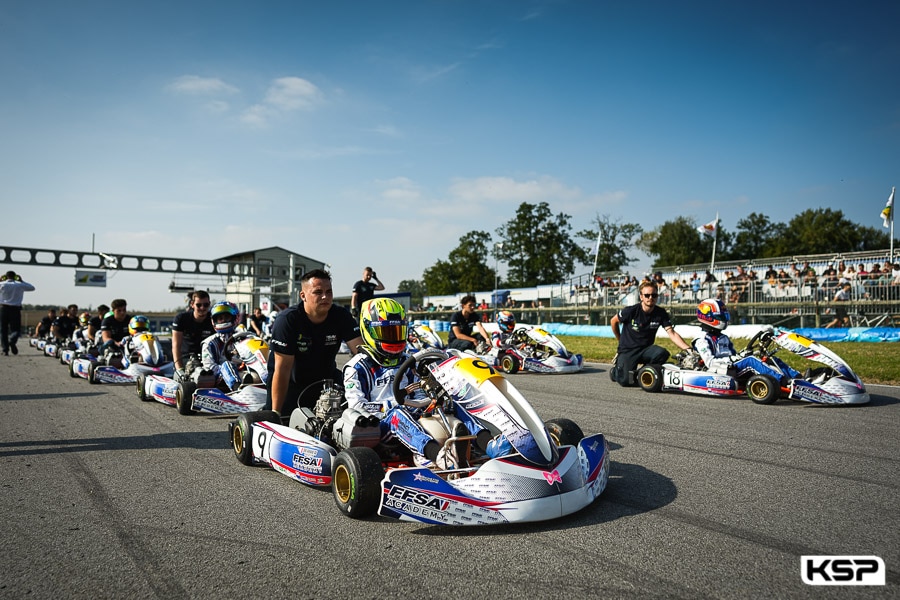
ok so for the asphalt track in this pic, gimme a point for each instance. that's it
(104, 496)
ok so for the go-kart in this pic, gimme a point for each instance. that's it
(146, 357)
(551, 469)
(422, 337)
(532, 349)
(835, 383)
(196, 391)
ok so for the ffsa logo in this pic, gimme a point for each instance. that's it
(842, 570)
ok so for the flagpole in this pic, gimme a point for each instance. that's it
(712, 264)
(596, 252)
(893, 189)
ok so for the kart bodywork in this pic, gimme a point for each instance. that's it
(422, 337)
(534, 349)
(835, 383)
(551, 471)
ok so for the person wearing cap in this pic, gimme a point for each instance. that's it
(12, 291)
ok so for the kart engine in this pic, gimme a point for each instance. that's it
(333, 424)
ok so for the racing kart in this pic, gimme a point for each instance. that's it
(551, 469)
(196, 391)
(146, 357)
(421, 337)
(533, 349)
(833, 383)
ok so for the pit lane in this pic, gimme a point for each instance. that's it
(107, 496)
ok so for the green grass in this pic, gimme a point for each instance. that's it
(873, 362)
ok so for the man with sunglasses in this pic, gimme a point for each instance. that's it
(635, 328)
(189, 329)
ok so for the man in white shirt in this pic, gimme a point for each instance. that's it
(12, 290)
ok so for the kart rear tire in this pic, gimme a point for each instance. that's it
(72, 372)
(240, 432)
(763, 389)
(91, 370)
(509, 364)
(184, 397)
(141, 382)
(356, 481)
(564, 432)
(649, 377)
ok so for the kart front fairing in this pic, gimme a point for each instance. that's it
(503, 490)
(842, 387)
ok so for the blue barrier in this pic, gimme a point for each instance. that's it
(851, 334)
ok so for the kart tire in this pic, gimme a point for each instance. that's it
(240, 432)
(356, 481)
(141, 382)
(763, 389)
(649, 377)
(91, 371)
(564, 432)
(509, 364)
(184, 397)
(72, 372)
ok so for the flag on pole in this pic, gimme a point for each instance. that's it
(888, 213)
(709, 229)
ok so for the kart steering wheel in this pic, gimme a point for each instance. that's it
(759, 337)
(417, 360)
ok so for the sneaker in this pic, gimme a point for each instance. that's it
(14, 348)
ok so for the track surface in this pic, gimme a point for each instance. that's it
(105, 496)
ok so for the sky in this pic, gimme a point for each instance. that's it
(379, 133)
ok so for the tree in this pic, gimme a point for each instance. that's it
(466, 269)
(817, 231)
(757, 236)
(416, 289)
(537, 247)
(677, 243)
(615, 240)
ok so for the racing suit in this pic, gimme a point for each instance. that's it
(367, 385)
(719, 355)
(219, 357)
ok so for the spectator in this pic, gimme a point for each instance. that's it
(364, 290)
(12, 292)
(635, 329)
(841, 319)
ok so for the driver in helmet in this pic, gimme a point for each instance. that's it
(218, 355)
(81, 336)
(369, 375)
(717, 350)
(136, 325)
(506, 323)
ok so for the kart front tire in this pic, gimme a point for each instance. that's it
(91, 370)
(649, 377)
(356, 481)
(140, 384)
(763, 389)
(241, 429)
(184, 397)
(509, 364)
(564, 432)
(72, 372)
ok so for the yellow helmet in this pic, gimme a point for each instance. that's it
(383, 324)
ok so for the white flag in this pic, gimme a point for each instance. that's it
(888, 213)
(709, 229)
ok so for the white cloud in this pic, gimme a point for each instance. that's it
(293, 93)
(195, 85)
(388, 130)
(506, 189)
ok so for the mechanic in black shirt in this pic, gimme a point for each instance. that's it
(114, 327)
(190, 328)
(305, 341)
(364, 290)
(461, 325)
(635, 327)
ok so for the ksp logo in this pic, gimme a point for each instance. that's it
(842, 570)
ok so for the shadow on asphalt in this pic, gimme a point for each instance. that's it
(211, 440)
(46, 396)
